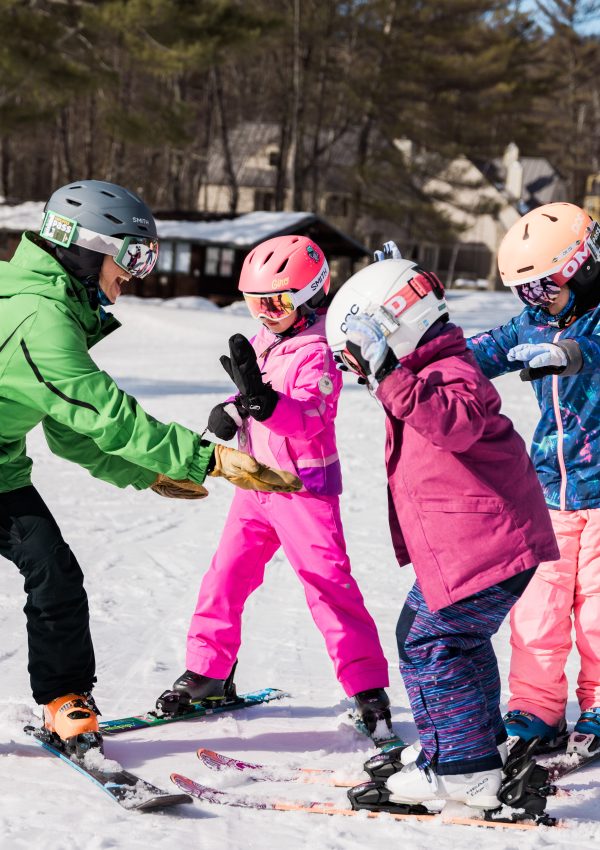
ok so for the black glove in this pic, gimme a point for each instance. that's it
(532, 373)
(258, 398)
(225, 418)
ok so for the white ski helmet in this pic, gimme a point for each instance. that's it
(404, 299)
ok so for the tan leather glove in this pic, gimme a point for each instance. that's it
(172, 489)
(246, 472)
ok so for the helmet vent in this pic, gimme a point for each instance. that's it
(108, 194)
(551, 217)
(282, 266)
(73, 203)
(113, 219)
(526, 232)
(525, 269)
(267, 258)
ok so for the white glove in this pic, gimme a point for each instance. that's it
(390, 252)
(365, 332)
(539, 355)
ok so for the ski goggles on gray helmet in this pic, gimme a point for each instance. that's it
(136, 255)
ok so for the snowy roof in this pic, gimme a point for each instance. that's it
(243, 231)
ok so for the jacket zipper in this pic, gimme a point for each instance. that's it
(560, 441)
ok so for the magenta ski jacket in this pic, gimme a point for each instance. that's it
(465, 504)
(300, 434)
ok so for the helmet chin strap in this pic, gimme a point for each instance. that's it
(566, 315)
(103, 298)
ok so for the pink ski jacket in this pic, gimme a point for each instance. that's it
(465, 504)
(300, 434)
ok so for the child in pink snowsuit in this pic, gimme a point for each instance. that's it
(285, 411)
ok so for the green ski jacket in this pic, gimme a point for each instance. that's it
(47, 326)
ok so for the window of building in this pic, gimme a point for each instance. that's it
(274, 158)
(219, 262)
(226, 264)
(165, 256)
(264, 200)
(183, 257)
(211, 262)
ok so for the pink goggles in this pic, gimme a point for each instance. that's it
(538, 293)
(276, 306)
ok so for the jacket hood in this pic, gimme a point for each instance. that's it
(34, 271)
(449, 342)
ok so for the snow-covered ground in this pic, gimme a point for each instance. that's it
(143, 557)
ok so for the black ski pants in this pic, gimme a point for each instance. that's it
(61, 655)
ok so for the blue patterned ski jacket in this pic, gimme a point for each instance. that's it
(566, 444)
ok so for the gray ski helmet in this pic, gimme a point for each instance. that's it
(104, 208)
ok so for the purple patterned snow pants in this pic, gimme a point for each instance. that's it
(451, 675)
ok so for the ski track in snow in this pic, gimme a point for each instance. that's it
(143, 558)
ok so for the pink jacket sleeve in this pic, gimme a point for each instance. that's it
(311, 403)
(445, 403)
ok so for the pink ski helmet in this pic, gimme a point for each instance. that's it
(281, 274)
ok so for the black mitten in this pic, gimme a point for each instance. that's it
(534, 373)
(258, 398)
(225, 419)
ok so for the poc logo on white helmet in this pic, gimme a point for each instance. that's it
(351, 312)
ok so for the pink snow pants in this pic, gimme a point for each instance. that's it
(310, 531)
(542, 620)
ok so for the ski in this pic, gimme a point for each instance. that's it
(257, 772)
(218, 797)
(266, 773)
(586, 752)
(126, 789)
(193, 712)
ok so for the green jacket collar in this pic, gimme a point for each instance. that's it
(35, 271)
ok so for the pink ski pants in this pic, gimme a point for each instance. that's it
(560, 593)
(310, 531)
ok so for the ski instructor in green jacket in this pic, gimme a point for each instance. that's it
(95, 237)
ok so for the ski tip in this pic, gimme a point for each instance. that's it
(163, 801)
(205, 753)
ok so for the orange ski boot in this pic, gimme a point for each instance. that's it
(72, 721)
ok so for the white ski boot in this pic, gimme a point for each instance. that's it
(411, 752)
(412, 785)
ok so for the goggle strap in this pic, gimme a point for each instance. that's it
(93, 241)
